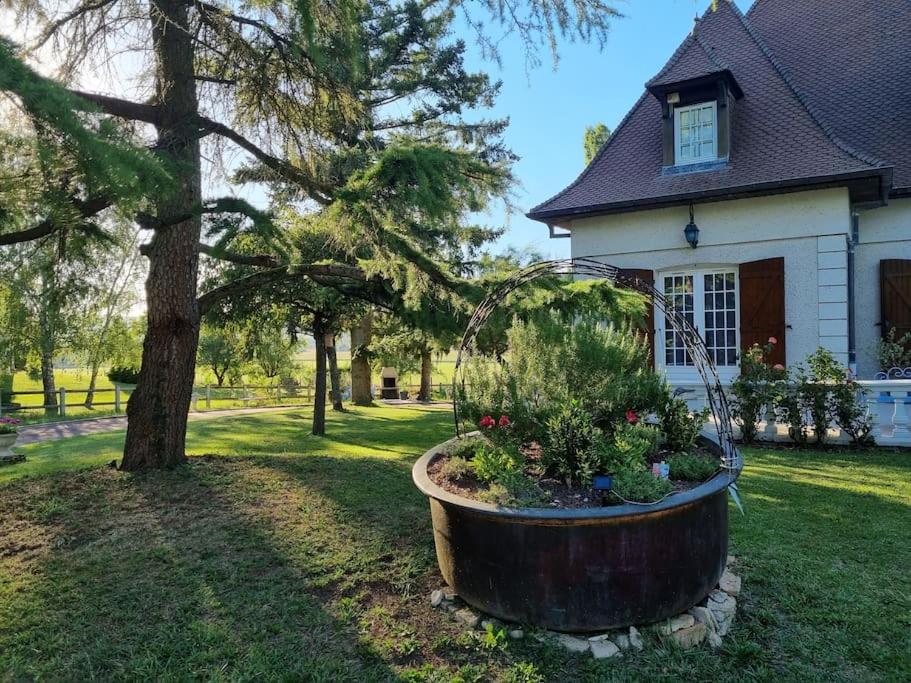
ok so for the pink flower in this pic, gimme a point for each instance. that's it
(631, 417)
(778, 366)
(772, 340)
(504, 421)
(486, 422)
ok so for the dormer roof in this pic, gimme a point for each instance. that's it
(779, 140)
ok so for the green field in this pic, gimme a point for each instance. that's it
(75, 381)
(276, 555)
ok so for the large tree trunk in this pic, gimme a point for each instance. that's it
(319, 397)
(426, 375)
(361, 336)
(335, 376)
(157, 409)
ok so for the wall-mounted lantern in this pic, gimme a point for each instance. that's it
(691, 231)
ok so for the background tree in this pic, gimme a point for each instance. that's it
(111, 292)
(221, 350)
(46, 280)
(595, 137)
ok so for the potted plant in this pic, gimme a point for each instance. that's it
(526, 526)
(9, 432)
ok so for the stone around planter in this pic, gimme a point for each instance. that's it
(690, 636)
(436, 598)
(603, 649)
(517, 634)
(468, 617)
(730, 583)
(673, 624)
(635, 639)
(622, 641)
(572, 643)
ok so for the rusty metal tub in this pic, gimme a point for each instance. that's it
(581, 570)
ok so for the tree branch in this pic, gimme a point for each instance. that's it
(75, 13)
(325, 274)
(87, 209)
(260, 260)
(135, 111)
(318, 192)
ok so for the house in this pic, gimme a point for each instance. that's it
(782, 140)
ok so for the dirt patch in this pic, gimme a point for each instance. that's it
(560, 495)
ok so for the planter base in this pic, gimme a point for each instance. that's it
(709, 622)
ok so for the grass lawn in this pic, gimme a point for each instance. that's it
(284, 556)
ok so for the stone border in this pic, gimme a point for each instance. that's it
(710, 621)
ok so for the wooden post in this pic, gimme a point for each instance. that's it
(62, 401)
(208, 396)
(116, 398)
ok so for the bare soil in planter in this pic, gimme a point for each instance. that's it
(560, 494)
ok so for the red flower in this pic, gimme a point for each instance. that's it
(778, 366)
(504, 421)
(487, 422)
(631, 417)
(772, 340)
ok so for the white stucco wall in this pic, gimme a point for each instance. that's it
(884, 234)
(734, 232)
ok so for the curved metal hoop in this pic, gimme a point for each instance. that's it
(732, 460)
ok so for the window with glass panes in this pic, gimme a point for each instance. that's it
(708, 300)
(678, 290)
(695, 133)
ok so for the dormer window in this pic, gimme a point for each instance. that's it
(697, 115)
(696, 133)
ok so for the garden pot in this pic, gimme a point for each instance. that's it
(6, 443)
(581, 570)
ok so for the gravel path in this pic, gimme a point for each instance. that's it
(51, 431)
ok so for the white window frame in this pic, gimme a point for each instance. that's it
(678, 142)
(676, 374)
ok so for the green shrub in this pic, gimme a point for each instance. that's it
(691, 467)
(851, 414)
(456, 468)
(123, 375)
(569, 450)
(464, 447)
(549, 363)
(789, 410)
(628, 448)
(754, 389)
(641, 486)
(491, 463)
(514, 489)
(679, 426)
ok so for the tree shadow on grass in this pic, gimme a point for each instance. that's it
(171, 575)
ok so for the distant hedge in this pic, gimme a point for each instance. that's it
(123, 375)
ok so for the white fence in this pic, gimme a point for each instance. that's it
(888, 405)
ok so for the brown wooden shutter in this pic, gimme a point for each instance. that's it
(895, 296)
(762, 305)
(647, 276)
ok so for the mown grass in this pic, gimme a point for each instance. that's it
(296, 558)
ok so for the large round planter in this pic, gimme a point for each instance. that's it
(6, 443)
(581, 570)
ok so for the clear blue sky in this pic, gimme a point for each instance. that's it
(550, 109)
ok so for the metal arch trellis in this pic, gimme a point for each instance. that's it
(732, 460)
